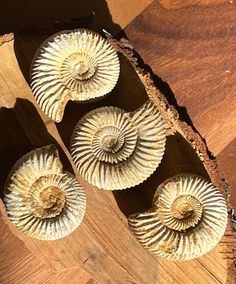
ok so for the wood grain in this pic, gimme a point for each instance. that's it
(176, 4)
(24, 267)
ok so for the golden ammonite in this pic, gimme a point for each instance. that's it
(187, 219)
(77, 65)
(40, 199)
(114, 149)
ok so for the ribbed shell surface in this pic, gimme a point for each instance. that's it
(187, 220)
(41, 200)
(137, 144)
(75, 65)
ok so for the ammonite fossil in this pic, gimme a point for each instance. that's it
(113, 149)
(188, 219)
(75, 65)
(41, 200)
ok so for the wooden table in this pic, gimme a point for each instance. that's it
(190, 46)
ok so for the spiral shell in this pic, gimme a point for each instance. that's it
(188, 218)
(113, 149)
(41, 200)
(75, 65)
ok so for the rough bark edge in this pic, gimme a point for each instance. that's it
(170, 113)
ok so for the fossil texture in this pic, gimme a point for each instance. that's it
(75, 65)
(41, 200)
(187, 219)
(113, 149)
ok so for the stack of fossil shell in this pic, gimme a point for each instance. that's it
(112, 150)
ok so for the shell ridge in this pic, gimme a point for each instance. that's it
(192, 223)
(38, 209)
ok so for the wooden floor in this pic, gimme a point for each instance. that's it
(190, 46)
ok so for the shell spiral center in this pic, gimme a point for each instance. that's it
(79, 67)
(185, 212)
(109, 143)
(114, 143)
(51, 197)
(44, 200)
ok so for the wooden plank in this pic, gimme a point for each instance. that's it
(106, 255)
(18, 265)
(114, 256)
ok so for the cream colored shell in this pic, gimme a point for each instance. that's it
(75, 65)
(188, 218)
(40, 199)
(113, 149)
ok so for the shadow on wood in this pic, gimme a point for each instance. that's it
(36, 20)
(22, 130)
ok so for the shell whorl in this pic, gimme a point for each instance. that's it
(75, 65)
(113, 149)
(188, 218)
(40, 199)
